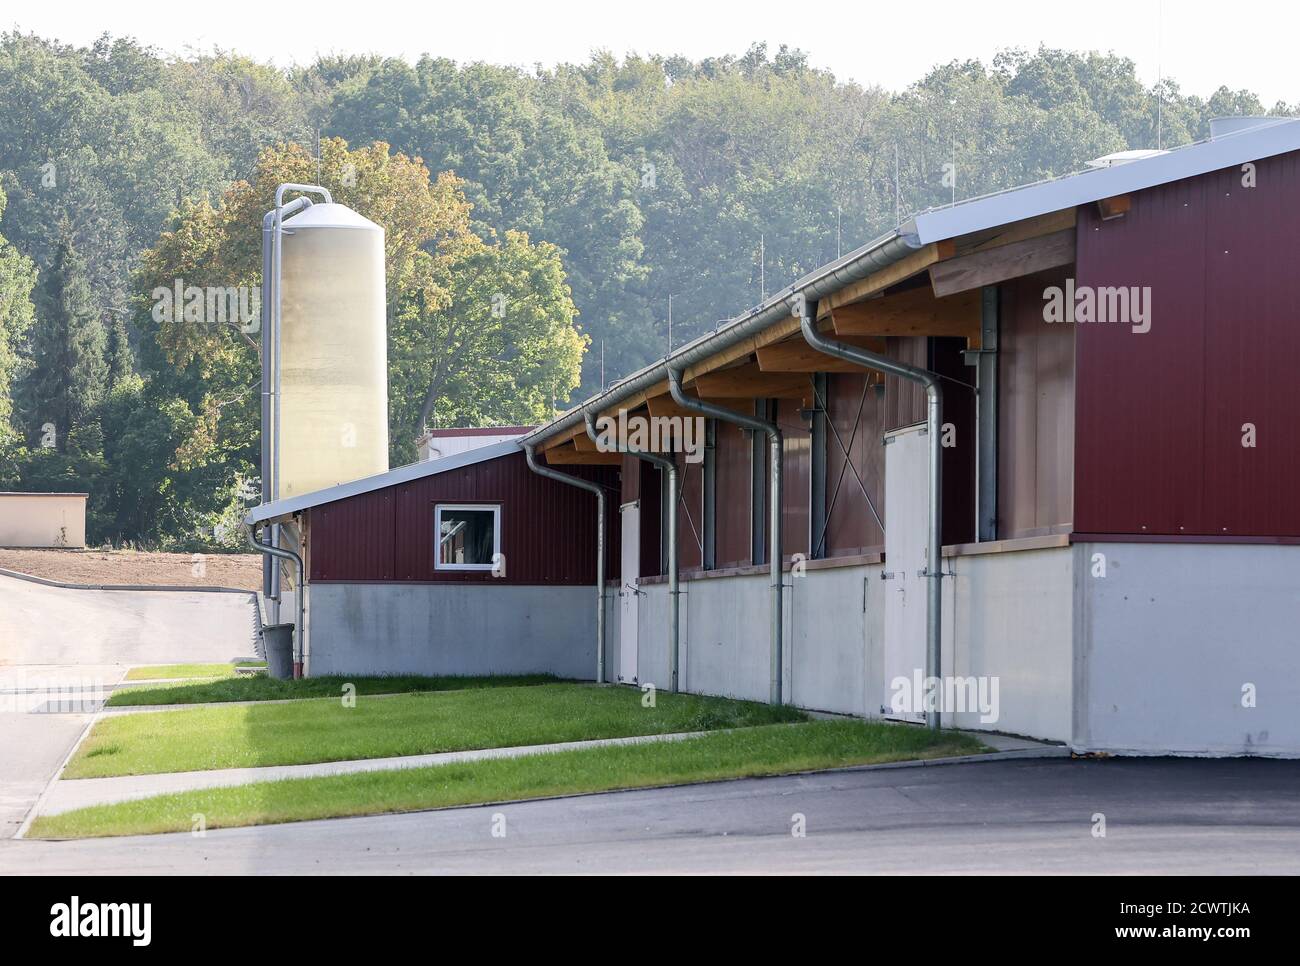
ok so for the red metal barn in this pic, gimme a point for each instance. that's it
(1035, 461)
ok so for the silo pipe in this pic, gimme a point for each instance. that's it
(546, 471)
(776, 446)
(277, 260)
(807, 313)
(270, 582)
(674, 610)
(299, 630)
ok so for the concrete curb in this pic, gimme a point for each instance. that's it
(17, 575)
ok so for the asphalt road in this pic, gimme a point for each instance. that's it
(1161, 816)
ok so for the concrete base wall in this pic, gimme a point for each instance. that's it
(451, 629)
(1161, 655)
(1008, 618)
(1172, 639)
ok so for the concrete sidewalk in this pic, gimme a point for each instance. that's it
(68, 794)
(44, 711)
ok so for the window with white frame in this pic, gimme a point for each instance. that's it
(469, 535)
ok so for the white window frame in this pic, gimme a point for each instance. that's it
(437, 535)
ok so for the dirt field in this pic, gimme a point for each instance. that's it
(242, 571)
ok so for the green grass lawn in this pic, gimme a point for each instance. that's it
(259, 687)
(322, 729)
(162, 671)
(773, 750)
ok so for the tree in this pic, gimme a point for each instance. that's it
(70, 371)
(17, 279)
(502, 348)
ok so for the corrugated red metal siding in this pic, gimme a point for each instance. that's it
(690, 514)
(852, 529)
(1159, 427)
(733, 456)
(905, 399)
(796, 470)
(547, 528)
(1035, 412)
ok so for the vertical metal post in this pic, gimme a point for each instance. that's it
(669, 465)
(817, 465)
(807, 313)
(986, 418)
(775, 444)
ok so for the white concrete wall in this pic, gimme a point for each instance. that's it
(42, 520)
(1169, 638)
(411, 628)
(726, 644)
(1009, 616)
(1006, 615)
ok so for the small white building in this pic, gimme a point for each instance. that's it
(43, 520)
(437, 443)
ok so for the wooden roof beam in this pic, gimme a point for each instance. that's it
(967, 273)
(912, 313)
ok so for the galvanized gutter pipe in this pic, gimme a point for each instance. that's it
(546, 471)
(776, 505)
(670, 466)
(807, 313)
(854, 266)
(277, 246)
(299, 631)
(270, 388)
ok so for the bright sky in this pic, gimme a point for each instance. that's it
(1200, 44)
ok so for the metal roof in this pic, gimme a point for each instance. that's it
(402, 474)
(1274, 136)
(1269, 137)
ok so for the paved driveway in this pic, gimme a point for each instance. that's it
(40, 624)
(1162, 815)
(60, 648)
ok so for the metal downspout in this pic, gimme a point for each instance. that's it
(546, 471)
(270, 398)
(776, 505)
(807, 314)
(299, 643)
(277, 259)
(670, 465)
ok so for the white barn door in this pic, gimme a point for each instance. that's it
(907, 489)
(629, 573)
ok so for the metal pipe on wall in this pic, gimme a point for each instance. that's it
(270, 392)
(546, 471)
(775, 442)
(807, 314)
(280, 211)
(300, 594)
(669, 465)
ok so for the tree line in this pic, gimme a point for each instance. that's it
(539, 225)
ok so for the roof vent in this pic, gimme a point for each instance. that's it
(1123, 157)
(1224, 126)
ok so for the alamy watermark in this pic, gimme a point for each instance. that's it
(213, 305)
(1119, 304)
(947, 694)
(652, 434)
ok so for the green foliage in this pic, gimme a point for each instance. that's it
(581, 198)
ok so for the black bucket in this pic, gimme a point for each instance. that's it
(278, 641)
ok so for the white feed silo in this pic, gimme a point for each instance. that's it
(333, 388)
